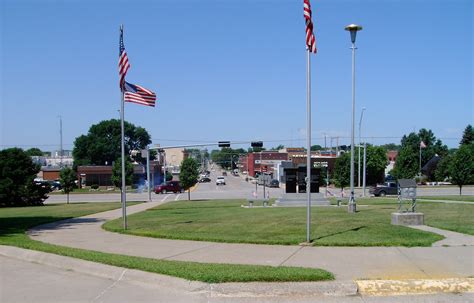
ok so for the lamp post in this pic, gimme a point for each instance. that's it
(353, 29)
(360, 125)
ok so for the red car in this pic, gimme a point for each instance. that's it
(171, 186)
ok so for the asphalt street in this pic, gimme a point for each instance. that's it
(236, 188)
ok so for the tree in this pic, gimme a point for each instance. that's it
(442, 169)
(408, 160)
(34, 151)
(17, 174)
(376, 164)
(117, 172)
(462, 166)
(391, 146)
(189, 174)
(467, 136)
(101, 145)
(316, 147)
(67, 177)
(342, 170)
(277, 148)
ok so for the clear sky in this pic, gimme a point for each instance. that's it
(235, 70)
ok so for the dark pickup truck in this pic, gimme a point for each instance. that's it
(388, 188)
(171, 186)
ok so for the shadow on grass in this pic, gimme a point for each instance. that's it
(341, 232)
(17, 225)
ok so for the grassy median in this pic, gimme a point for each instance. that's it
(14, 222)
(227, 221)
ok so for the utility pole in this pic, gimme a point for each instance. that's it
(60, 141)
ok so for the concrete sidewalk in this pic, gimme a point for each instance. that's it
(347, 263)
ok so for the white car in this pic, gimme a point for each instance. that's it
(220, 181)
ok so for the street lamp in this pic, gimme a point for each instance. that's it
(353, 29)
(360, 125)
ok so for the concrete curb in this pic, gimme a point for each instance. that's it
(245, 290)
(411, 287)
(253, 289)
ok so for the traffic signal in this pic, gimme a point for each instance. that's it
(257, 144)
(224, 143)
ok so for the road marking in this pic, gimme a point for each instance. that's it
(177, 197)
(163, 200)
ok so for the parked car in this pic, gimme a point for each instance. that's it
(171, 186)
(204, 180)
(55, 185)
(388, 188)
(220, 180)
(274, 183)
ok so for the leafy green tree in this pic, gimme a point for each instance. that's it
(406, 165)
(169, 176)
(277, 148)
(467, 136)
(17, 174)
(223, 157)
(391, 146)
(316, 147)
(342, 170)
(462, 166)
(67, 177)
(117, 172)
(442, 169)
(101, 145)
(34, 151)
(376, 163)
(189, 174)
(408, 161)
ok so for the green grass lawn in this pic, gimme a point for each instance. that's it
(226, 221)
(451, 198)
(15, 221)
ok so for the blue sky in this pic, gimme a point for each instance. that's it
(235, 70)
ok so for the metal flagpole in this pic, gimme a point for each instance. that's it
(420, 159)
(148, 172)
(124, 195)
(308, 146)
(365, 169)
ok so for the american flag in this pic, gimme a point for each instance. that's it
(422, 144)
(123, 64)
(310, 39)
(137, 94)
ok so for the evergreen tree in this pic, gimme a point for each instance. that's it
(467, 136)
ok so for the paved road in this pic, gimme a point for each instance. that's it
(26, 282)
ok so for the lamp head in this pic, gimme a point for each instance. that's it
(353, 28)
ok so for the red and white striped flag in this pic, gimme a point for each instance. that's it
(138, 94)
(310, 39)
(123, 61)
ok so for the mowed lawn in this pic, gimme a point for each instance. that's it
(449, 198)
(15, 221)
(227, 221)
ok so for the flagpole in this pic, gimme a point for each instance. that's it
(420, 158)
(308, 145)
(122, 128)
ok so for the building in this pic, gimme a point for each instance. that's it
(174, 157)
(101, 175)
